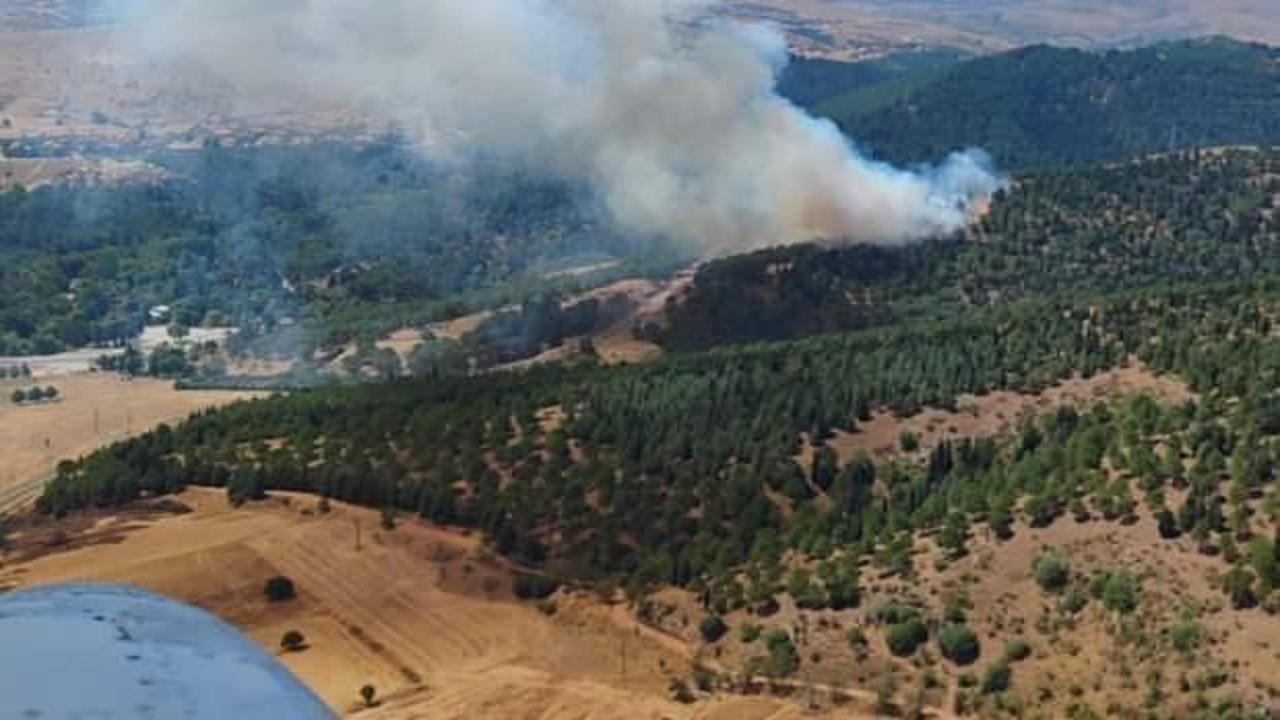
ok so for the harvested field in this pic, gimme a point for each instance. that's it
(93, 409)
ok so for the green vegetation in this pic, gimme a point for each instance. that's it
(725, 470)
(834, 88)
(1118, 591)
(712, 628)
(299, 247)
(693, 459)
(1017, 650)
(997, 679)
(1051, 572)
(905, 629)
(280, 589)
(34, 396)
(959, 644)
(781, 659)
(1043, 106)
(1192, 218)
(293, 641)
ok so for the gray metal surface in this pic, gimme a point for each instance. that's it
(105, 652)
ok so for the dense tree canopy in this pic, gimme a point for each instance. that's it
(1043, 106)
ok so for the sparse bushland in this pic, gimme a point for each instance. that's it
(719, 432)
(959, 644)
(265, 238)
(693, 472)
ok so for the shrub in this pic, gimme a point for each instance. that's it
(908, 441)
(782, 660)
(19, 396)
(1017, 650)
(534, 587)
(1167, 524)
(1238, 585)
(712, 628)
(280, 589)
(368, 693)
(904, 638)
(749, 633)
(681, 692)
(1051, 572)
(959, 644)
(1074, 600)
(997, 679)
(387, 518)
(1120, 593)
(896, 614)
(293, 641)
(858, 643)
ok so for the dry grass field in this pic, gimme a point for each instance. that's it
(426, 616)
(423, 614)
(93, 409)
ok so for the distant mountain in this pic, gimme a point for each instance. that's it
(1043, 106)
(850, 29)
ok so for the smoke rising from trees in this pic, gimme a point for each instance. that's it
(667, 112)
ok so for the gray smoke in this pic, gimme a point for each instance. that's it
(666, 111)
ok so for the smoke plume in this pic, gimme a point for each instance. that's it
(666, 111)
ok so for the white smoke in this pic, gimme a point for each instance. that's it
(669, 114)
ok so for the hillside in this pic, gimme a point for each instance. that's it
(485, 454)
(1097, 364)
(694, 473)
(1195, 217)
(813, 82)
(1043, 106)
